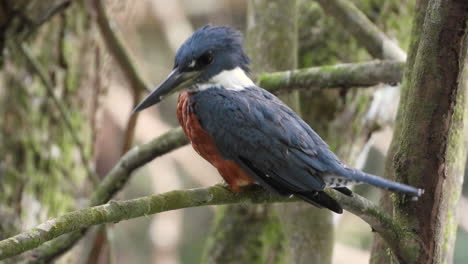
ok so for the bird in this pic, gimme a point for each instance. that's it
(248, 134)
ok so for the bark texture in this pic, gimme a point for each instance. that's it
(429, 145)
(47, 118)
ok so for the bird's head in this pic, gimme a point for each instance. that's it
(212, 56)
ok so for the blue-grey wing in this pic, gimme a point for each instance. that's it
(265, 137)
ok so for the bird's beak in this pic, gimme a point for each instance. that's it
(174, 82)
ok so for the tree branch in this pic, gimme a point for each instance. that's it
(342, 75)
(117, 48)
(368, 34)
(135, 158)
(21, 18)
(116, 211)
(139, 156)
(112, 183)
(275, 82)
(377, 72)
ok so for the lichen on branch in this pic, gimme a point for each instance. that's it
(116, 211)
(342, 75)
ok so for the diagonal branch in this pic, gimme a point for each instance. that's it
(117, 48)
(132, 160)
(116, 211)
(112, 183)
(368, 34)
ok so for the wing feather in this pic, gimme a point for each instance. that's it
(264, 136)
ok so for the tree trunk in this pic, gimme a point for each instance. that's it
(46, 142)
(429, 145)
(339, 117)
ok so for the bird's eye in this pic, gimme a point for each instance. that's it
(191, 64)
(205, 59)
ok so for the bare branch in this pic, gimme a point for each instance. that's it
(116, 211)
(371, 37)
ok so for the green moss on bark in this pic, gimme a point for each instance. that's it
(39, 154)
(432, 100)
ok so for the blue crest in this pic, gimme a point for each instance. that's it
(225, 44)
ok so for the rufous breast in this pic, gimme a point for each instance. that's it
(204, 145)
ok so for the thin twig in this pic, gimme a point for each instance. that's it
(117, 48)
(97, 92)
(63, 113)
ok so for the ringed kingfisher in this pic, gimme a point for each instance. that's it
(247, 133)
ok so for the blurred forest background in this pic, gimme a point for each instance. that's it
(41, 170)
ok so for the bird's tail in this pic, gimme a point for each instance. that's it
(363, 177)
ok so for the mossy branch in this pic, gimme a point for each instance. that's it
(74, 222)
(341, 75)
(112, 183)
(366, 33)
(135, 158)
(116, 211)
(327, 76)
